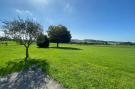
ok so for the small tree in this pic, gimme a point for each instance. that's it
(26, 31)
(4, 38)
(42, 41)
(59, 34)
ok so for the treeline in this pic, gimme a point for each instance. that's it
(83, 42)
(100, 42)
(5, 39)
(127, 43)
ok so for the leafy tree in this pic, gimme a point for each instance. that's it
(42, 41)
(59, 34)
(26, 31)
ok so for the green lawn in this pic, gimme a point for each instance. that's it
(81, 66)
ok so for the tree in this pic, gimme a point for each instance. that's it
(42, 41)
(59, 34)
(26, 31)
(4, 38)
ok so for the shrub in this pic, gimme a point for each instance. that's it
(42, 41)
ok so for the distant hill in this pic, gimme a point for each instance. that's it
(92, 41)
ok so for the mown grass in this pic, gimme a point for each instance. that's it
(81, 66)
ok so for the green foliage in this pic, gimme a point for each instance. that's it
(23, 31)
(4, 39)
(81, 66)
(42, 41)
(59, 34)
(127, 43)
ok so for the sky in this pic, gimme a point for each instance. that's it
(112, 20)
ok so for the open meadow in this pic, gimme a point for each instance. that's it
(79, 66)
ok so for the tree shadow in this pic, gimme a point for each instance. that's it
(66, 48)
(15, 66)
(31, 75)
(42, 47)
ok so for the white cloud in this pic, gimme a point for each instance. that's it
(23, 12)
(68, 8)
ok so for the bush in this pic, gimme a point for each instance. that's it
(42, 41)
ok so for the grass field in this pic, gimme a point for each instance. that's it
(81, 66)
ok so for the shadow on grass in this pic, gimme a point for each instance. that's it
(13, 66)
(31, 76)
(66, 48)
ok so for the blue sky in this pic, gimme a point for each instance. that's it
(86, 19)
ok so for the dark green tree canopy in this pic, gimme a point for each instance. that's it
(42, 41)
(59, 34)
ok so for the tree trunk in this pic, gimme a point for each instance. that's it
(57, 45)
(27, 54)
